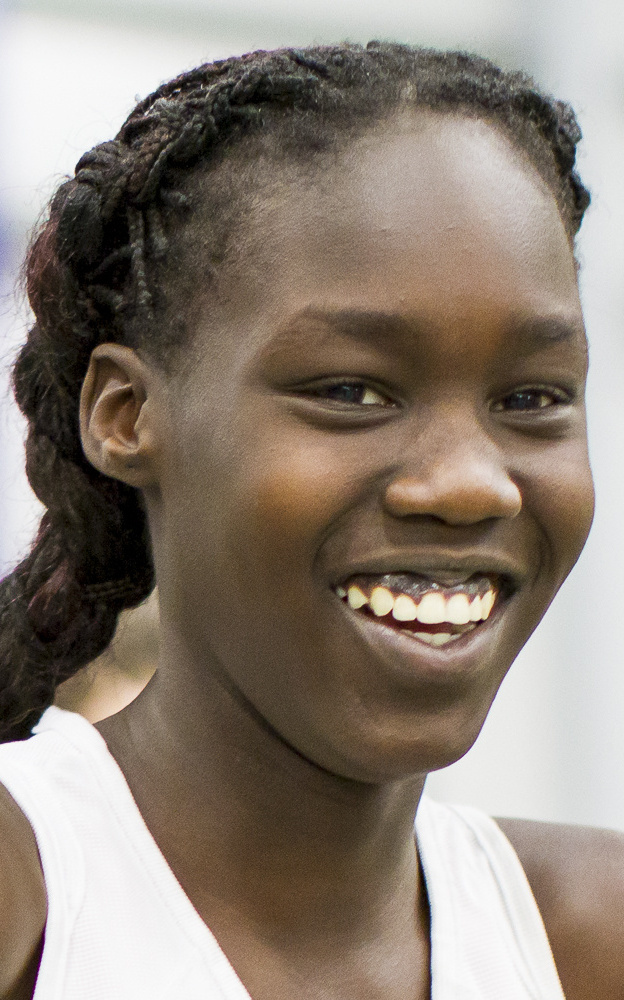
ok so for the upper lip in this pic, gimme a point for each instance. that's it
(447, 569)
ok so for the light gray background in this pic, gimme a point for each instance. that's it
(553, 746)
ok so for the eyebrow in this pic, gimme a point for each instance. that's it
(360, 324)
(547, 331)
(363, 324)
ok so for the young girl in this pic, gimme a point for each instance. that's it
(308, 352)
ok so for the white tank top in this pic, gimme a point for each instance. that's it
(120, 926)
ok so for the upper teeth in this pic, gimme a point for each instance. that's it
(432, 609)
(381, 601)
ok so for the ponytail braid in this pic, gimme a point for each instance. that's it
(92, 277)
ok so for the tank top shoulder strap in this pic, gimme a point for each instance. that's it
(488, 939)
(23, 773)
(119, 923)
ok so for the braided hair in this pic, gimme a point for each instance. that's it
(94, 274)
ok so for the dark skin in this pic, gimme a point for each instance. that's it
(396, 383)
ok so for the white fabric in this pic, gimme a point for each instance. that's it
(120, 926)
(488, 941)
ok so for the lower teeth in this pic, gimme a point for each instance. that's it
(434, 638)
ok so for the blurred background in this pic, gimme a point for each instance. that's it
(70, 71)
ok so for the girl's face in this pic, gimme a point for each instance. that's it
(387, 393)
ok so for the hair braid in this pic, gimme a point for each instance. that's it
(92, 278)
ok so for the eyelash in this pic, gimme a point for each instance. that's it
(556, 397)
(365, 388)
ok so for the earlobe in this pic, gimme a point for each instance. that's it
(115, 429)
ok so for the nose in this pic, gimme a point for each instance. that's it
(458, 476)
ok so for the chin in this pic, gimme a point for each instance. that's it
(409, 748)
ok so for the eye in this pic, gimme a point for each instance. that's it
(531, 398)
(350, 393)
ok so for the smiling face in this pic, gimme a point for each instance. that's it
(385, 401)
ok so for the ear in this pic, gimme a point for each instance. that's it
(116, 407)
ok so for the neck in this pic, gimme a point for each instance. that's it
(242, 817)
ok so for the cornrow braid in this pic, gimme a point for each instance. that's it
(91, 277)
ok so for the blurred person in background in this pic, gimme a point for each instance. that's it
(309, 354)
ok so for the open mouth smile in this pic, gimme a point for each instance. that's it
(421, 607)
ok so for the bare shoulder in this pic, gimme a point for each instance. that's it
(23, 904)
(577, 877)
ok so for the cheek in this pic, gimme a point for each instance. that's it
(292, 496)
(561, 493)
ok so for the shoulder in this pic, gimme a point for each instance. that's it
(577, 877)
(23, 902)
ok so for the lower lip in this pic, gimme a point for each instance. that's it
(459, 657)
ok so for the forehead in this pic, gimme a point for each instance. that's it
(438, 215)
